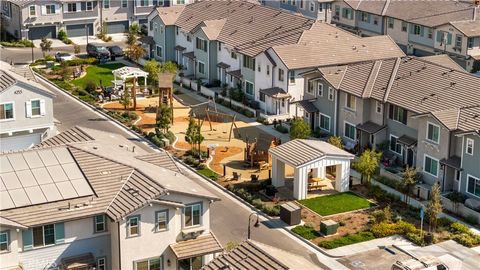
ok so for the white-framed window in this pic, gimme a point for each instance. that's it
(259, 67)
(248, 62)
(49, 9)
(325, 122)
(302, 4)
(281, 74)
(429, 32)
(365, 17)
(347, 13)
(404, 26)
(100, 224)
(32, 11)
(375, 20)
(124, 3)
(150, 264)
(180, 2)
(294, 2)
(312, 6)
(320, 7)
(4, 241)
(319, 89)
(262, 97)
(433, 132)
(430, 165)
(72, 7)
(159, 51)
(417, 29)
(331, 95)
(201, 67)
(458, 41)
(192, 215)
(35, 109)
(311, 87)
(391, 22)
(268, 69)
(337, 11)
(133, 226)
(101, 264)
(106, 4)
(43, 235)
(249, 88)
(143, 3)
(191, 263)
(291, 77)
(378, 107)
(201, 44)
(469, 146)
(351, 102)
(89, 6)
(350, 131)
(161, 220)
(233, 55)
(7, 111)
(398, 114)
(473, 185)
(394, 145)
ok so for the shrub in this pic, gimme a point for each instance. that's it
(456, 227)
(76, 48)
(62, 35)
(189, 160)
(467, 239)
(281, 129)
(384, 229)
(81, 61)
(201, 166)
(271, 210)
(306, 231)
(471, 219)
(19, 43)
(90, 86)
(415, 238)
(444, 222)
(347, 240)
(382, 215)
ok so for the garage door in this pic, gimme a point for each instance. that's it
(78, 30)
(15, 143)
(41, 32)
(117, 27)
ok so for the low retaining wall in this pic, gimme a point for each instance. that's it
(270, 118)
(461, 210)
(411, 201)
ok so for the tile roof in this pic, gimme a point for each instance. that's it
(8, 77)
(469, 119)
(169, 15)
(73, 135)
(6, 81)
(307, 106)
(333, 74)
(444, 60)
(202, 245)
(161, 159)
(453, 161)
(212, 28)
(276, 92)
(247, 255)
(468, 28)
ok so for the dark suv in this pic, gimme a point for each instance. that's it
(97, 50)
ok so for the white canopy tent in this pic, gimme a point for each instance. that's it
(125, 73)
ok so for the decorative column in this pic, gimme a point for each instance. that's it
(278, 169)
(343, 176)
(300, 184)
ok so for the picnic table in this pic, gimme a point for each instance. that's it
(315, 183)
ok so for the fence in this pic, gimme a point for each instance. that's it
(460, 210)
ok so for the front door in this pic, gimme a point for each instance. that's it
(312, 121)
(410, 157)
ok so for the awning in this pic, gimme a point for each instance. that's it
(370, 127)
(190, 55)
(180, 48)
(236, 73)
(406, 140)
(147, 40)
(308, 106)
(275, 92)
(79, 262)
(202, 245)
(452, 162)
(223, 65)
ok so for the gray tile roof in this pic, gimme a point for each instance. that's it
(308, 106)
(73, 135)
(161, 159)
(468, 28)
(202, 245)
(6, 81)
(453, 161)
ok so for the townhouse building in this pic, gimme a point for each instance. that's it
(87, 199)
(417, 110)
(26, 110)
(420, 28)
(315, 9)
(35, 19)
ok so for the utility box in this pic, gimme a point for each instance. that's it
(166, 142)
(328, 227)
(291, 213)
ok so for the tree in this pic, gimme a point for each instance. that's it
(368, 163)
(46, 45)
(163, 118)
(168, 67)
(335, 141)
(125, 100)
(135, 52)
(153, 69)
(193, 135)
(409, 180)
(299, 129)
(434, 207)
(132, 34)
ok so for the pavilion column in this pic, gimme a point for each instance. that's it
(145, 84)
(278, 169)
(343, 176)
(300, 184)
(321, 172)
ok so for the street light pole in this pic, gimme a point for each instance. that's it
(86, 31)
(256, 224)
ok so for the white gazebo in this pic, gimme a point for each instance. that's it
(125, 73)
(309, 156)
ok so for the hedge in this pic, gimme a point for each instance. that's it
(348, 239)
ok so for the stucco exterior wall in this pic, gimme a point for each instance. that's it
(470, 163)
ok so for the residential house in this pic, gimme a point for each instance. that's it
(90, 199)
(35, 19)
(420, 28)
(316, 9)
(26, 110)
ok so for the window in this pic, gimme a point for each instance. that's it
(150, 264)
(458, 41)
(219, 46)
(470, 43)
(301, 4)
(50, 9)
(378, 107)
(375, 20)
(294, 2)
(444, 38)
(417, 29)
(365, 17)
(430, 33)
(124, 3)
(89, 6)
(337, 11)
(43, 235)
(259, 67)
(201, 67)
(4, 241)
(249, 88)
(6, 111)
(394, 145)
(398, 114)
(133, 226)
(262, 97)
(159, 51)
(312, 6)
(233, 55)
(191, 215)
(158, 3)
(291, 77)
(319, 89)
(201, 44)
(469, 148)
(248, 62)
(189, 39)
(72, 7)
(180, 2)
(458, 175)
(320, 7)
(106, 3)
(143, 3)
(268, 69)
(311, 86)
(350, 102)
(281, 74)
(430, 166)
(35, 107)
(101, 264)
(283, 102)
(404, 27)
(433, 132)
(473, 185)
(161, 219)
(325, 122)
(391, 23)
(191, 263)
(100, 223)
(347, 13)
(330, 93)
(33, 11)
(350, 131)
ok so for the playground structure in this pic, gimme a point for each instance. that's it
(165, 92)
(256, 152)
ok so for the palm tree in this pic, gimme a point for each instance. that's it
(46, 45)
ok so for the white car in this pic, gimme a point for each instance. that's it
(59, 56)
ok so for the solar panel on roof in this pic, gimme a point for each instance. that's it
(26, 178)
(5, 165)
(2, 185)
(72, 171)
(82, 187)
(63, 155)
(19, 197)
(48, 157)
(5, 200)
(17, 162)
(66, 189)
(33, 160)
(51, 192)
(35, 195)
(10, 180)
(42, 176)
(57, 173)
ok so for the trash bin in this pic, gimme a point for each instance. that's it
(270, 190)
(291, 213)
(328, 227)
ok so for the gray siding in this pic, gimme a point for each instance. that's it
(326, 106)
(347, 115)
(213, 60)
(201, 55)
(423, 38)
(470, 163)
(170, 43)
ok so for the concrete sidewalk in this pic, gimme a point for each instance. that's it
(93, 39)
(56, 43)
(370, 245)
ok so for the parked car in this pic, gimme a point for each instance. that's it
(97, 51)
(115, 51)
(59, 56)
(144, 29)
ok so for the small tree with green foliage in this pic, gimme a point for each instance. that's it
(193, 135)
(125, 100)
(409, 180)
(368, 163)
(45, 45)
(299, 129)
(132, 34)
(335, 141)
(434, 207)
(164, 114)
(153, 69)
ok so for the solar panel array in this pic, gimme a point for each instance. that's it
(41, 176)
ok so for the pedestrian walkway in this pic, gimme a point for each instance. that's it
(93, 39)
(389, 241)
(56, 43)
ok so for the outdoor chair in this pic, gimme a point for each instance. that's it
(236, 176)
(254, 178)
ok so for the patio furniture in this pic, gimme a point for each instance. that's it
(315, 183)
(290, 213)
(236, 176)
(254, 178)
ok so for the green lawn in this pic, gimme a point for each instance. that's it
(208, 173)
(97, 73)
(336, 203)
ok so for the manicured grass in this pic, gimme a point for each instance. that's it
(96, 73)
(336, 203)
(208, 173)
(307, 232)
(348, 239)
